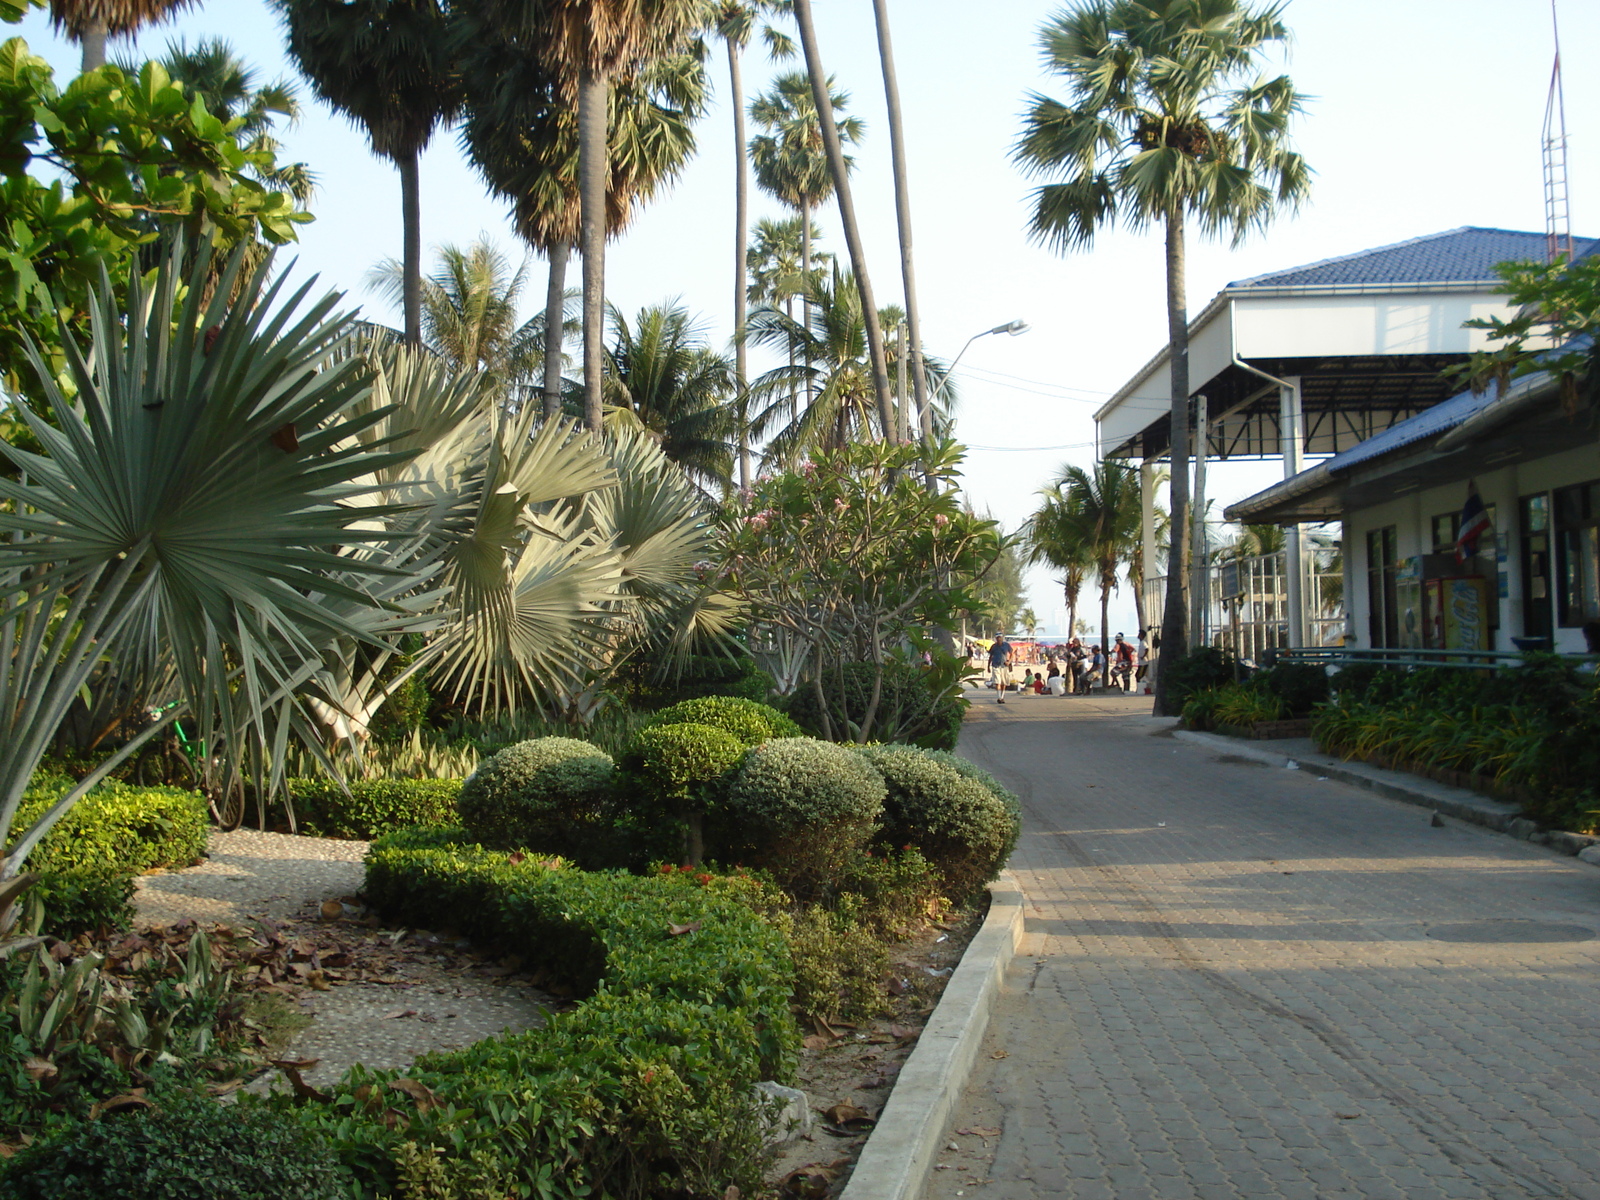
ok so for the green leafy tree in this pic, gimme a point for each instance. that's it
(1168, 123)
(1556, 328)
(387, 66)
(1101, 509)
(93, 174)
(853, 559)
(1056, 537)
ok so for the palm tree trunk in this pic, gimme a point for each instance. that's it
(1105, 632)
(805, 296)
(94, 46)
(592, 169)
(847, 215)
(555, 319)
(411, 245)
(902, 210)
(741, 221)
(1174, 613)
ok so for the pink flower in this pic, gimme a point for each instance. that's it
(940, 520)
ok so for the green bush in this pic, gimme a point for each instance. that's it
(800, 808)
(644, 1089)
(839, 965)
(185, 1147)
(701, 675)
(1200, 709)
(678, 771)
(551, 794)
(373, 807)
(961, 827)
(1300, 686)
(1242, 705)
(908, 708)
(750, 722)
(86, 863)
(1207, 667)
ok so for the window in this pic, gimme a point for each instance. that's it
(1383, 623)
(1577, 536)
(1445, 528)
(1536, 566)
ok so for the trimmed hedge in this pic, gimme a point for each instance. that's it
(373, 807)
(187, 1147)
(956, 821)
(800, 809)
(552, 794)
(88, 860)
(644, 1089)
(750, 722)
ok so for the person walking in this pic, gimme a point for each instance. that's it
(1000, 664)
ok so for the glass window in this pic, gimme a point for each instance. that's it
(1445, 527)
(1536, 614)
(1577, 539)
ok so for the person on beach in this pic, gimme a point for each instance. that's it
(1000, 665)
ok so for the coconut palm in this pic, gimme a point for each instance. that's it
(1102, 507)
(774, 259)
(228, 86)
(1163, 127)
(91, 22)
(386, 65)
(663, 375)
(1056, 536)
(839, 169)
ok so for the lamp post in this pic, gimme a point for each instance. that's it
(1011, 327)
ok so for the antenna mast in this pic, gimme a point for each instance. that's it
(1557, 201)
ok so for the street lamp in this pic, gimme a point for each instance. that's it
(1011, 327)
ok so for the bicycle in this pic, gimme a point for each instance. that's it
(174, 760)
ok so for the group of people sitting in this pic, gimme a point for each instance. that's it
(1075, 673)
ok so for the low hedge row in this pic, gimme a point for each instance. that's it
(87, 862)
(644, 1089)
(372, 807)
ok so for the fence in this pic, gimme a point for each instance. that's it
(1246, 606)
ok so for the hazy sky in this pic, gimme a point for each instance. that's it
(1425, 115)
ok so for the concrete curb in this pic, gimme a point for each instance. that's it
(1455, 802)
(896, 1160)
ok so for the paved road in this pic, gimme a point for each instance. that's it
(1241, 981)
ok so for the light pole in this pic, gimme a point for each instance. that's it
(1011, 327)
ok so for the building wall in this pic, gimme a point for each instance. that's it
(1412, 516)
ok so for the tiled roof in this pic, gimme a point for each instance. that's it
(1465, 255)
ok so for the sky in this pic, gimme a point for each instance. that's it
(1424, 115)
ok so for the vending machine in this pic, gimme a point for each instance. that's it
(1457, 612)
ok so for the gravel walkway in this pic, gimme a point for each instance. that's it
(251, 875)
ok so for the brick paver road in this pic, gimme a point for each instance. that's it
(1241, 981)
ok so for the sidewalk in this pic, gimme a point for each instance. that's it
(1240, 980)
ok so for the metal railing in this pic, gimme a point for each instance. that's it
(1474, 660)
(1247, 603)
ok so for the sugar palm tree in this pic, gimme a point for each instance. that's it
(1166, 124)
(1103, 507)
(665, 378)
(387, 66)
(91, 22)
(774, 258)
(735, 22)
(839, 169)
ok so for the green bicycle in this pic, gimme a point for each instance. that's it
(176, 760)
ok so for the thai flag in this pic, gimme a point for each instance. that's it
(1473, 525)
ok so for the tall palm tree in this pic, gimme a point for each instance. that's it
(229, 88)
(91, 22)
(1105, 506)
(774, 259)
(469, 314)
(902, 209)
(1056, 536)
(1162, 127)
(735, 22)
(386, 65)
(840, 170)
(664, 375)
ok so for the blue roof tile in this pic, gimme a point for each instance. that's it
(1465, 255)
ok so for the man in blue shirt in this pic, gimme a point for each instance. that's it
(1000, 664)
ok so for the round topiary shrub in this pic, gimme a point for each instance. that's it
(801, 808)
(752, 723)
(551, 794)
(678, 771)
(959, 824)
(185, 1147)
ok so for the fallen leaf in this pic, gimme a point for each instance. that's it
(332, 910)
(426, 1100)
(982, 1131)
(398, 1013)
(516, 857)
(39, 1068)
(680, 930)
(806, 1183)
(821, 1025)
(1000, 1054)
(846, 1119)
(299, 1064)
(815, 1041)
(302, 1089)
(116, 1104)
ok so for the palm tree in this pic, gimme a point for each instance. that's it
(775, 262)
(1057, 537)
(902, 208)
(469, 314)
(1158, 131)
(788, 157)
(668, 381)
(386, 65)
(91, 22)
(839, 168)
(735, 22)
(1104, 506)
(227, 85)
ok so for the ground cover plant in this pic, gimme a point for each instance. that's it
(1532, 731)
